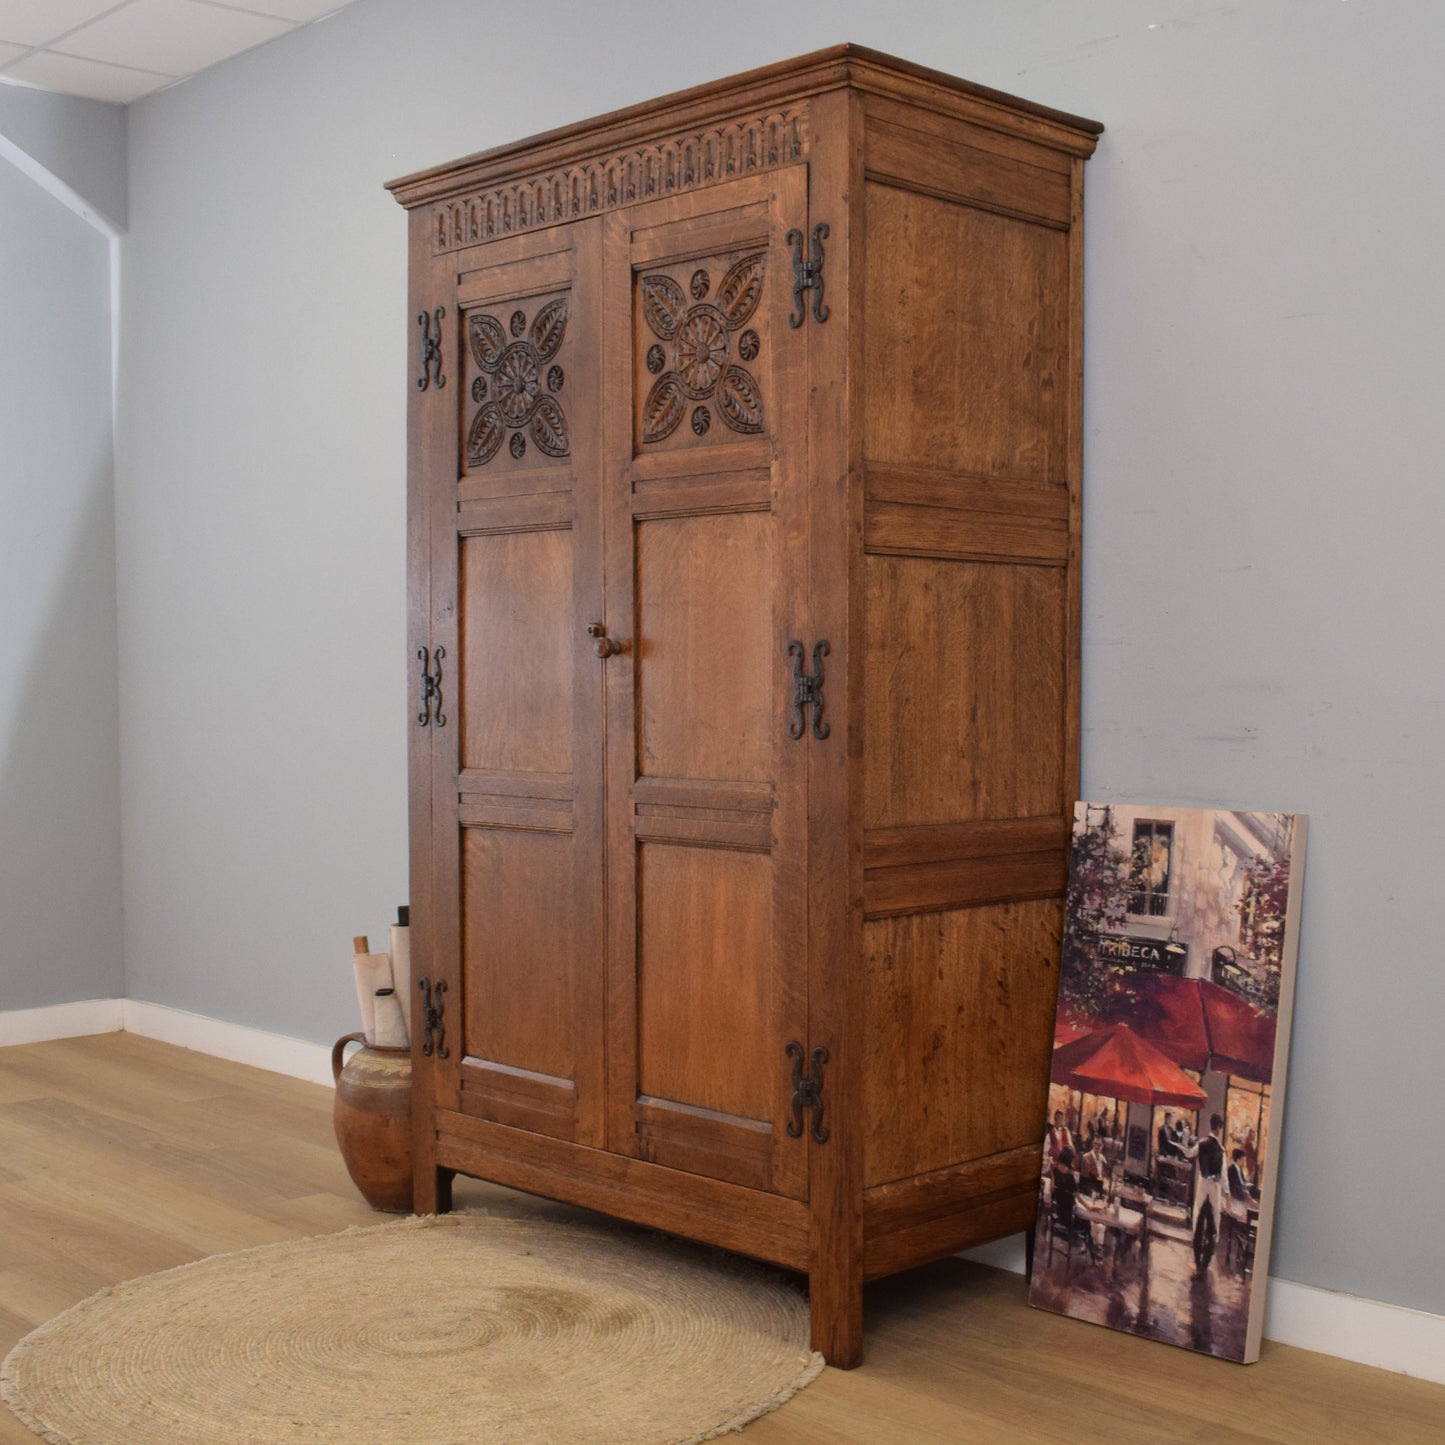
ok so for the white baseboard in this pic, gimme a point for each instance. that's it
(1001, 1254)
(60, 1021)
(1408, 1342)
(279, 1053)
(1369, 1332)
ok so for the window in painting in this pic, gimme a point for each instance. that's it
(1150, 868)
(1247, 1123)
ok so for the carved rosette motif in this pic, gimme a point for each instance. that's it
(603, 183)
(700, 341)
(514, 395)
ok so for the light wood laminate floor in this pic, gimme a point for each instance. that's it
(120, 1156)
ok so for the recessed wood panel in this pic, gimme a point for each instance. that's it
(967, 339)
(516, 634)
(520, 955)
(705, 647)
(960, 1010)
(965, 666)
(708, 999)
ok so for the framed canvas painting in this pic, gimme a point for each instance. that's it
(1161, 1142)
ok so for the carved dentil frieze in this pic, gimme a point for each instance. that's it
(680, 163)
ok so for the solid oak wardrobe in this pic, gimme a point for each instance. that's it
(744, 617)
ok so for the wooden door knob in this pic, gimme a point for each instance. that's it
(602, 644)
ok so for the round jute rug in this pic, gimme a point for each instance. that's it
(438, 1331)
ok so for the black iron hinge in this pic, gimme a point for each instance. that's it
(433, 1011)
(807, 690)
(808, 275)
(431, 688)
(431, 350)
(807, 1091)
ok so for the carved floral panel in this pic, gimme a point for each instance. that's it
(514, 412)
(701, 347)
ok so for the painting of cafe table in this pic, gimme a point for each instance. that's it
(1162, 1135)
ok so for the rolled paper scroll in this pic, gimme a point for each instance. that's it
(390, 1026)
(401, 964)
(373, 971)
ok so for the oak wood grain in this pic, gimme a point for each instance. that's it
(704, 647)
(516, 652)
(1000, 493)
(751, 1221)
(431, 452)
(964, 692)
(961, 882)
(944, 842)
(966, 535)
(945, 167)
(705, 969)
(519, 938)
(967, 363)
(519, 1098)
(961, 1009)
(836, 1020)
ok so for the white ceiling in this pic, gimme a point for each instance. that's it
(120, 50)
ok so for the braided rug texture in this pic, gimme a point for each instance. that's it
(444, 1330)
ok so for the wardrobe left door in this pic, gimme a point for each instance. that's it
(509, 729)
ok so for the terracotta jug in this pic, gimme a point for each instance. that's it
(373, 1121)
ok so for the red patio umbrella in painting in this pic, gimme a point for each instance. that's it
(1066, 1031)
(1202, 1026)
(1116, 1063)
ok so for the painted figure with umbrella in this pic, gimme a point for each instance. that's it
(1115, 1063)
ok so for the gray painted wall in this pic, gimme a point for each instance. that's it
(80, 141)
(60, 866)
(1264, 339)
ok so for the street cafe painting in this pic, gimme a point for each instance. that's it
(1161, 1142)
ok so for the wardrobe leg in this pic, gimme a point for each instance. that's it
(837, 1318)
(432, 1188)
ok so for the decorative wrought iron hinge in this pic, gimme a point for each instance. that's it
(807, 690)
(807, 1091)
(434, 1007)
(808, 275)
(431, 688)
(431, 350)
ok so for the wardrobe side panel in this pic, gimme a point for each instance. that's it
(968, 424)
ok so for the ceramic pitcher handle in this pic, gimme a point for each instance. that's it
(338, 1048)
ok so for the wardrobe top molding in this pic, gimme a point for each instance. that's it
(762, 93)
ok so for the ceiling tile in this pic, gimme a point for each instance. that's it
(300, 11)
(176, 36)
(37, 22)
(114, 83)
